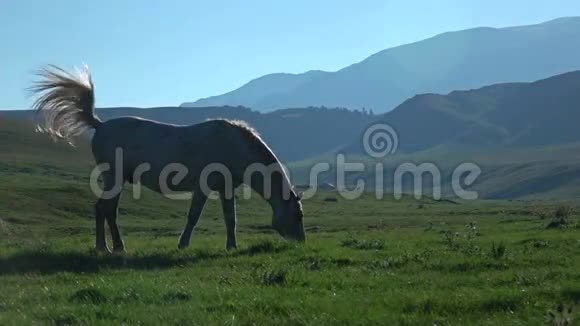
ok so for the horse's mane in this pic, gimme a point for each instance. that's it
(260, 146)
(245, 127)
(254, 137)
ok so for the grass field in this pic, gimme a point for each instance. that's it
(365, 262)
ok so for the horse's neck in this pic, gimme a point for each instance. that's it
(278, 182)
(279, 185)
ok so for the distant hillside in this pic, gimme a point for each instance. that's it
(23, 151)
(450, 61)
(294, 134)
(542, 113)
(547, 172)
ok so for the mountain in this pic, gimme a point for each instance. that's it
(265, 87)
(294, 134)
(511, 115)
(456, 60)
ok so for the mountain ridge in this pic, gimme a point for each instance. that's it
(448, 61)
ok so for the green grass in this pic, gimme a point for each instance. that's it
(365, 262)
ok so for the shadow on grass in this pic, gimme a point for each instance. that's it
(77, 262)
(46, 262)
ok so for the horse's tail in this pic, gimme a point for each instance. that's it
(65, 103)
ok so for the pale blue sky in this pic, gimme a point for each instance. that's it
(154, 53)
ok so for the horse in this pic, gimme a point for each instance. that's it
(65, 104)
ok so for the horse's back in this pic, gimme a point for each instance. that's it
(160, 145)
(129, 134)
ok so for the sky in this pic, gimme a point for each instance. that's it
(162, 53)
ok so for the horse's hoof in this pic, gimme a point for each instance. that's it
(230, 248)
(102, 251)
(119, 251)
(182, 246)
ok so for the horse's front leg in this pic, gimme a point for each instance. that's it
(107, 209)
(197, 204)
(112, 211)
(229, 210)
(100, 213)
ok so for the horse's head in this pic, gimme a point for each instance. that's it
(288, 221)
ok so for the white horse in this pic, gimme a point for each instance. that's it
(66, 102)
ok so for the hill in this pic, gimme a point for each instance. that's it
(456, 60)
(513, 115)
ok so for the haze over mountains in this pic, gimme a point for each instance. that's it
(451, 61)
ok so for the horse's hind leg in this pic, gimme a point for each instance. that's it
(229, 210)
(106, 209)
(197, 204)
